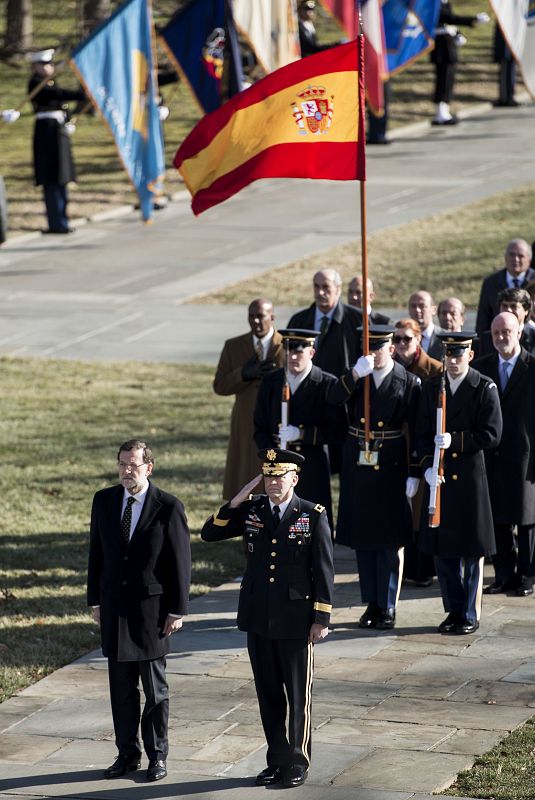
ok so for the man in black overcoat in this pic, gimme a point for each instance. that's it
(285, 605)
(511, 465)
(514, 275)
(355, 298)
(52, 157)
(374, 516)
(465, 533)
(138, 586)
(312, 422)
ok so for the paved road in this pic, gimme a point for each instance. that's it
(396, 714)
(115, 290)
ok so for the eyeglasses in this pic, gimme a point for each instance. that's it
(404, 339)
(122, 465)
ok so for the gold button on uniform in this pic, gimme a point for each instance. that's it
(363, 420)
(272, 566)
(272, 580)
(454, 477)
(380, 424)
(273, 554)
(376, 467)
(454, 455)
(273, 541)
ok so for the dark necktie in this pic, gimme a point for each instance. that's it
(276, 515)
(127, 519)
(517, 283)
(324, 325)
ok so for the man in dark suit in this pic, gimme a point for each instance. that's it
(312, 422)
(138, 585)
(464, 535)
(422, 309)
(308, 38)
(515, 275)
(355, 298)
(511, 465)
(337, 346)
(285, 605)
(450, 313)
(517, 302)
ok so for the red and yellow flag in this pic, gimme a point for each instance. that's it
(305, 120)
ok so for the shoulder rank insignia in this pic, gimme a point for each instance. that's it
(319, 508)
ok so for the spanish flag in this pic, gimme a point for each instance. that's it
(305, 120)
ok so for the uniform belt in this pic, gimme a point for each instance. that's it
(59, 116)
(360, 433)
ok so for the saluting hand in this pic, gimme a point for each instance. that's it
(244, 493)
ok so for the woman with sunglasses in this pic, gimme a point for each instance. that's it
(409, 353)
(419, 568)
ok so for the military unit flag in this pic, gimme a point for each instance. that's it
(271, 29)
(305, 120)
(409, 30)
(116, 67)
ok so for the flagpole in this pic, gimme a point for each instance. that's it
(363, 240)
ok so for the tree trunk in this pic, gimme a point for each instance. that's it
(19, 28)
(93, 13)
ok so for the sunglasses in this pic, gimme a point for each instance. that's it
(404, 339)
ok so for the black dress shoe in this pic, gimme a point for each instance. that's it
(448, 625)
(269, 776)
(466, 626)
(499, 587)
(524, 589)
(369, 618)
(156, 770)
(295, 776)
(122, 765)
(386, 619)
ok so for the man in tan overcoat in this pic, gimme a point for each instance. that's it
(243, 362)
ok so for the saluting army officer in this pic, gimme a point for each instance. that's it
(465, 533)
(374, 516)
(285, 604)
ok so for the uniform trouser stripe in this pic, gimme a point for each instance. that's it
(401, 556)
(283, 671)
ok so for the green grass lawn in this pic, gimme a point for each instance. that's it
(102, 183)
(61, 423)
(447, 254)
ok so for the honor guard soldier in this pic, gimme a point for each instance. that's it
(464, 534)
(285, 604)
(310, 421)
(374, 515)
(52, 157)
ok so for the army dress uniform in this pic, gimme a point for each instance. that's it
(287, 586)
(374, 517)
(465, 533)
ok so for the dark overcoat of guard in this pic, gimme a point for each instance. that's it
(474, 420)
(374, 513)
(320, 422)
(511, 465)
(139, 584)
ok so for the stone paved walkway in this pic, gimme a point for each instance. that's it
(396, 715)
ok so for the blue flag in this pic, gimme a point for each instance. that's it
(196, 38)
(409, 30)
(116, 67)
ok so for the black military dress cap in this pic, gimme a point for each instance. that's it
(456, 342)
(278, 462)
(379, 335)
(299, 338)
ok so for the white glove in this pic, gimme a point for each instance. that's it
(443, 440)
(10, 115)
(460, 40)
(431, 478)
(482, 17)
(163, 113)
(70, 128)
(411, 487)
(290, 433)
(364, 366)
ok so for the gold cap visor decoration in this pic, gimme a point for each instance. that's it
(278, 462)
(456, 342)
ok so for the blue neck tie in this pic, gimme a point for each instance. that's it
(504, 374)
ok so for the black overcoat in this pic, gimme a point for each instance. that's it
(138, 584)
(52, 156)
(373, 512)
(488, 305)
(289, 577)
(474, 420)
(320, 422)
(511, 465)
(338, 349)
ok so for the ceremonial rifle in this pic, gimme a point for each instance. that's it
(438, 456)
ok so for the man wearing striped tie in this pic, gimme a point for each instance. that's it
(138, 586)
